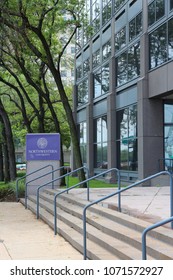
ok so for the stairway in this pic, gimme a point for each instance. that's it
(111, 235)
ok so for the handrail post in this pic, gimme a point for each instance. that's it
(171, 197)
(119, 194)
(144, 246)
(84, 235)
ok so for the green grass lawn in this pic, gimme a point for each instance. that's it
(9, 189)
(92, 184)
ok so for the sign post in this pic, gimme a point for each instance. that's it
(42, 152)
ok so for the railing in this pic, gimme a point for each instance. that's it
(117, 193)
(165, 164)
(39, 177)
(144, 234)
(86, 181)
(66, 190)
(27, 175)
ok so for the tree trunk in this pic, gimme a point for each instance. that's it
(9, 141)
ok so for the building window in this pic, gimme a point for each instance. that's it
(106, 50)
(82, 130)
(96, 58)
(156, 10)
(120, 39)
(171, 4)
(118, 4)
(135, 27)
(100, 142)
(106, 12)
(79, 72)
(128, 64)
(127, 138)
(82, 92)
(96, 15)
(161, 44)
(101, 81)
(86, 66)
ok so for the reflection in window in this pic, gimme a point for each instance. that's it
(120, 39)
(118, 4)
(82, 92)
(86, 66)
(133, 61)
(128, 64)
(171, 4)
(101, 81)
(96, 15)
(170, 39)
(79, 72)
(127, 138)
(96, 58)
(83, 140)
(106, 50)
(106, 12)
(156, 10)
(135, 27)
(158, 46)
(100, 142)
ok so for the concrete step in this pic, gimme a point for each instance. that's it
(110, 234)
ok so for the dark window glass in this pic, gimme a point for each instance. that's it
(122, 67)
(120, 39)
(106, 50)
(171, 4)
(96, 58)
(156, 10)
(105, 79)
(170, 39)
(127, 138)
(79, 72)
(83, 140)
(158, 46)
(100, 142)
(106, 13)
(128, 64)
(101, 81)
(83, 92)
(97, 84)
(118, 4)
(86, 66)
(134, 61)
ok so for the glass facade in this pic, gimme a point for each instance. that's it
(127, 138)
(161, 44)
(100, 142)
(128, 64)
(82, 130)
(109, 63)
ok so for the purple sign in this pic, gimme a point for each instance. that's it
(43, 146)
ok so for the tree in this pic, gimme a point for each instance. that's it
(38, 26)
(9, 151)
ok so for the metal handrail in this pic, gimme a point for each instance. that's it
(69, 173)
(86, 181)
(41, 176)
(118, 192)
(144, 233)
(27, 175)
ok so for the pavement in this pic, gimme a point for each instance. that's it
(23, 237)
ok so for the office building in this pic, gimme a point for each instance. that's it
(123, 93)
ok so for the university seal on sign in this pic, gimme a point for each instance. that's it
(42, 143)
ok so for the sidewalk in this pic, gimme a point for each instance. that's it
(22, 236)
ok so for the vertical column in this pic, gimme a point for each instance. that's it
(111, 122)
(90, 130)
(150, 121)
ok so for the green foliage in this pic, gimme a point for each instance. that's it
(5, 192)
